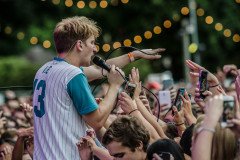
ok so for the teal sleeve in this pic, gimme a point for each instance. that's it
(80, 93)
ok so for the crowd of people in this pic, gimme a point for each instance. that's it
(64, 120)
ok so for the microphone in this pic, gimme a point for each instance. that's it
(101, 63)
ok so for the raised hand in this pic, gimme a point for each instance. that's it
(135, 79)
(28, 111)
(187, 109)
(6, 152)
(84, 149)
(195, 70)
(126, 103)
(25, 132)
(149, 53)
(199, 101)
(230, 68)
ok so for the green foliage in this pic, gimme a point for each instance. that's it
(15, 71)
(38, 18)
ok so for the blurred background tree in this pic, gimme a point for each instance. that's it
(26, 28)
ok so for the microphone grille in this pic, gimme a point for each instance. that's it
(96, 59)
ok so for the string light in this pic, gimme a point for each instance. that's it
(116, 45)
(157, 30)
(124, 1)
(34, 40)
(20, 35)
(46, 44)
(209, 20)
(137, 39)
(68, 3)
(236, 38)
(227, 32)
(127, 42)
(106, 47)
(98, 48)
(237, 1)
(167, 24)
(185, 10)
(176, 17)
(81, 4)
(92, 4)
(103, 4)
(8, 30)
(56, 2)
(200, 12)
(218, 26)
(148, 34)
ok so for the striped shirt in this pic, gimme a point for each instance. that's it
(61, 95)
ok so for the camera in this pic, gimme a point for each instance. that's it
(228, 111)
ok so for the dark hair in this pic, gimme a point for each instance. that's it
(186, 140)
(129, 131)
(165, 145)
(171, 131)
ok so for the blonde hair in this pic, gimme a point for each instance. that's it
(224, 142)
(69, 30)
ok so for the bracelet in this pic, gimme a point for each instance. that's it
(179, 124)
(131, 57)
(132, 111)
(214, 86)
(200, 129)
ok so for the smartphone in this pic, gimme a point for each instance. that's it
(228, 111)
(130, 88)
(164, 98)
(168, 83)
(178, 100)
(203, 83)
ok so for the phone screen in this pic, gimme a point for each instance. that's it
(130, 88)
(165, 98)
(228, 111)
(178, 100)
(203, 83)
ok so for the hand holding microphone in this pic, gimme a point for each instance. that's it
(115, 76)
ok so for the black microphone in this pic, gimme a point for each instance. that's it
(101, 63)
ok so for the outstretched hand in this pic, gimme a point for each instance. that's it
(149, 54)
(195, 70)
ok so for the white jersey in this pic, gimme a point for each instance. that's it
(58, 125)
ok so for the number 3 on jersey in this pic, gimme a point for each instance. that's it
(37, 86)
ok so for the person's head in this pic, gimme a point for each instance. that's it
(76, 32)
(126, 139)
(224, 143)
(166, 146)
(186, 140)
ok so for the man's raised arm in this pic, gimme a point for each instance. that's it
(93, 72)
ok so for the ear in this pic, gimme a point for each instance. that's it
(79, 45)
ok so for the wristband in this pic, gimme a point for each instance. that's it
(132, 111)
(131, 57)
(200, 129)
